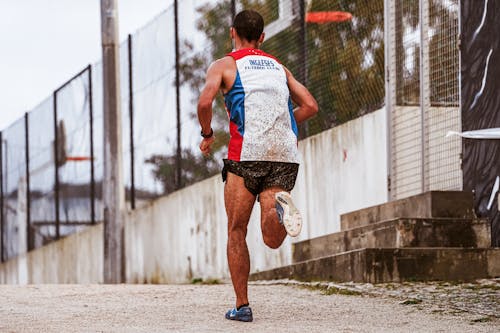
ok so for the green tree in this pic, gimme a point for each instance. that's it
(214, 22)
(346, 62)
(192, 172)
(345, 66)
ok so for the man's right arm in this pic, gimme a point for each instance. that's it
(213, 83)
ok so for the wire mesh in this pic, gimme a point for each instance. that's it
(427, 98)
(73, 140)
(406, 144)
(345, 62)
(126, 121)
(195, 56)
(98, 136)
(15, 186)
(342, 64)
(443, 154)
(41, 169)
(155, 124)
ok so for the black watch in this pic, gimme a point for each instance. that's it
(209, 135)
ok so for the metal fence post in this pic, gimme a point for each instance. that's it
(304, 127)
(56, 167)
(29, 239)
(177, 96)
(92, 166)
(424, 85)
(1, 199)
(131, 122)
(390, 84)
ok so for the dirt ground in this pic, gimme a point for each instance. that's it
(282, 307)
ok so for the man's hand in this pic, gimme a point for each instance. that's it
(206, 145)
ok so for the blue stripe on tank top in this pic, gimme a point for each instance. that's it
(294, 123)
(235, 103)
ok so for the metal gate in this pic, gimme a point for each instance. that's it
(422, 96)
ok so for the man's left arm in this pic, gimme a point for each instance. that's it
(307, 106)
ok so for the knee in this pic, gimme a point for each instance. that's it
(237, 230)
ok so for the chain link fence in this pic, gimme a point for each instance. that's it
(423, 96)
(52, 160)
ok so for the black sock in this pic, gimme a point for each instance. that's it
(242, 305)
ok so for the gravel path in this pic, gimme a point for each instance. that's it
(282, 307)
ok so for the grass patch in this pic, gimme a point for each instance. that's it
(492, 287)
(411, 301)
(330, 290)
(481, 320)
(449, 283)
(204, 282)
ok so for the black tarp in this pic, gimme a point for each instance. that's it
(480, 89)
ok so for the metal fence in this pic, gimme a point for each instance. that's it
(52, 160)
(422, 87)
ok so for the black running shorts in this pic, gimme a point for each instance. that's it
(259, 175)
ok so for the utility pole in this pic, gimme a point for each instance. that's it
(233, 10)
(177, 97)
(113, 192)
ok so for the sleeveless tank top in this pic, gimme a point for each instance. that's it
(262, 126)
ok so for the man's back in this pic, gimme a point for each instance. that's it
(262, 125)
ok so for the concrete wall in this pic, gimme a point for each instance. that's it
(344, 169)
(183, 236)
(75, 259)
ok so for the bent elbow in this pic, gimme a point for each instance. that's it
(312, 108)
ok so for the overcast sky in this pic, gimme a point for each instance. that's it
(43, 43)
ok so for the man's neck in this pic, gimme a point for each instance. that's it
(246, 45)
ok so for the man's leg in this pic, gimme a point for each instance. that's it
(273, 231)
(239, 203)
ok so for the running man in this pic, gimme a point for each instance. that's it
(262, 154)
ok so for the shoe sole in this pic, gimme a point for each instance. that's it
(292, 220)
(244, 319)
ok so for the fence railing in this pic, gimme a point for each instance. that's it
(51, 160)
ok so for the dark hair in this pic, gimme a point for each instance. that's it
(249, 25)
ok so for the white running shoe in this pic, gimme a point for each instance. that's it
(288, 214)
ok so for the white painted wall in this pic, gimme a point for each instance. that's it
(77, 258)
(344, 169)
(183, 235)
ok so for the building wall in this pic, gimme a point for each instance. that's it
(183, 236)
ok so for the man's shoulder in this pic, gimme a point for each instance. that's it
(222, 66)
(222, 62)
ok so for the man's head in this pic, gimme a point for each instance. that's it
(249, 25)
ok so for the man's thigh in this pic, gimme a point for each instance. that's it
(238, 201)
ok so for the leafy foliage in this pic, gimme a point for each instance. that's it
(165, 169)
